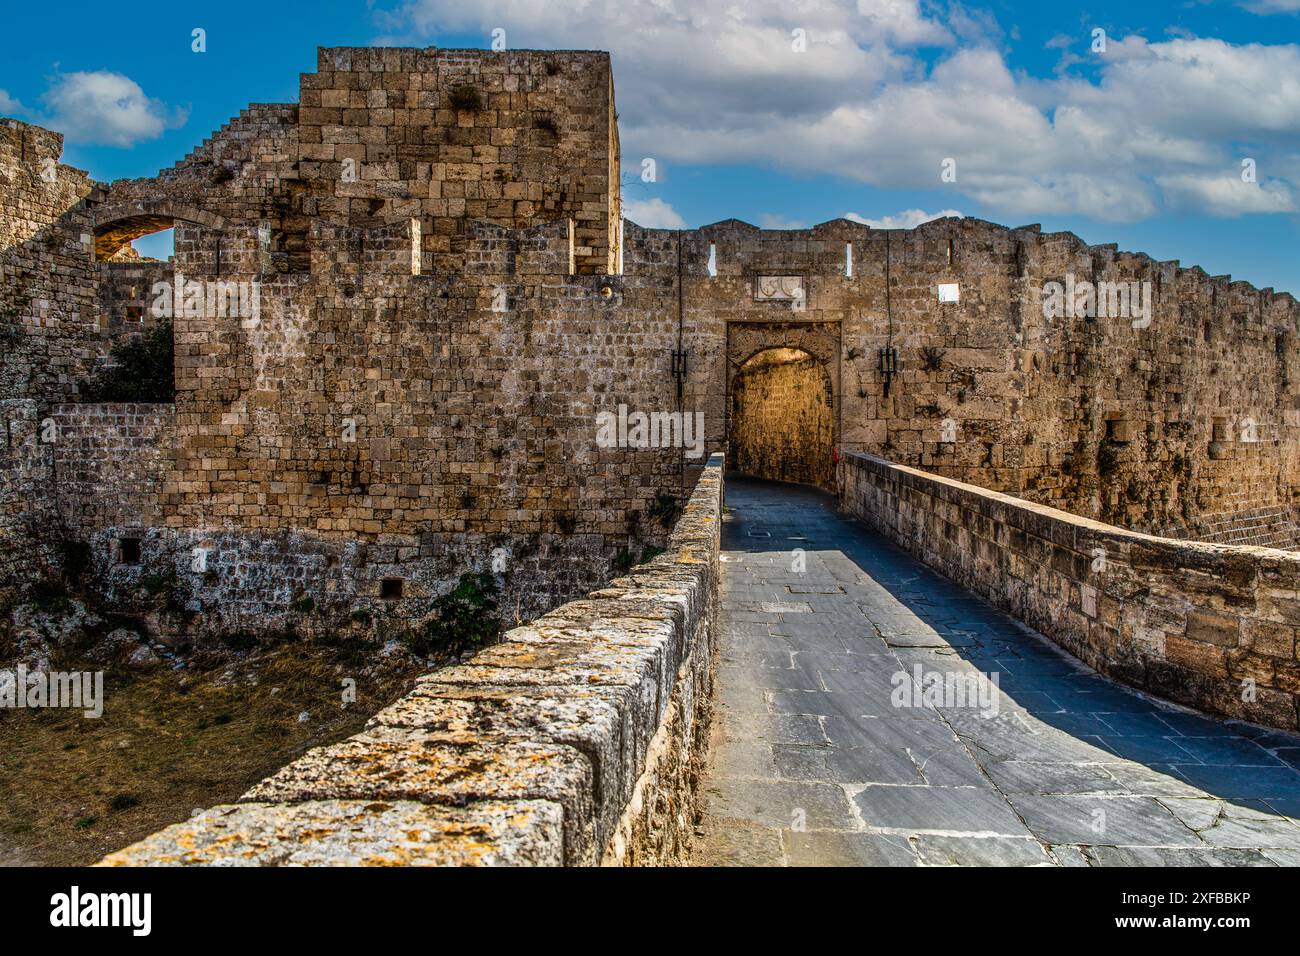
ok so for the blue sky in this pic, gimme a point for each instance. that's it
(1140, 143)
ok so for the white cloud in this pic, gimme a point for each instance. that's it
(1226, 195)
(653, 214)
(907, 219)
(9, 105)
(108, 108)
(1265, 7)
(712, 81)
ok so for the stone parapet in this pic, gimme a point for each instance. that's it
(577, 740)
(1212, 626)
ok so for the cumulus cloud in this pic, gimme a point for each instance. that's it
(711, 81)
(907, 219)
(653, 214)
(1227, 195)
(106, 108)
(9, 105)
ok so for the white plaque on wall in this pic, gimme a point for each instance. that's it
(779, 288)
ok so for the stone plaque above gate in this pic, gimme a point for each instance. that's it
(779, 288)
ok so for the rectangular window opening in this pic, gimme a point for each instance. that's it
(390, 589)
(948, 292)
(128, 550)
(848, 260)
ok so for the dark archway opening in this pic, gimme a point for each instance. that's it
(782, 423)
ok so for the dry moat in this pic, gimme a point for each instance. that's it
(178, 733)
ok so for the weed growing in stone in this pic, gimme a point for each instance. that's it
(465, 617)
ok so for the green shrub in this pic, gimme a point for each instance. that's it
(75, 556)
(464, 617)
(144, 370)
(123, 801)
(240, 641)
(50, 595)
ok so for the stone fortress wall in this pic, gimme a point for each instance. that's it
(1141, 427)
(436, 241)
(386, 414)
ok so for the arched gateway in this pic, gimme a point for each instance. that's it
(782, 400)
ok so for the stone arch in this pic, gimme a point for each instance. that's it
(821, 340)
(782, 408)
(122, 223)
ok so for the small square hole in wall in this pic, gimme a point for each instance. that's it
(390, 589)
(948, 292)
(1119, 430)
(128, 550)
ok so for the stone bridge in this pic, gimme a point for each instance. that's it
(862, 709)
(828, 751)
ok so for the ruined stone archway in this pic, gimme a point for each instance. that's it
(121, 224)
(781, 415)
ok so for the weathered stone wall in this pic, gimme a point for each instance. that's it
(1212, 626)
(48, 293)
(781, 424)
(218, 584)
(423, 415)
(106, 468)
(108, 463)
(1140, 426)
(434, 342)
(27, 504)
(127, 294)
(578, 740)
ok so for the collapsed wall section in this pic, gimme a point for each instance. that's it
(47, 289)
(448, 137)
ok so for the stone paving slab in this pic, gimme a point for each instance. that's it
(826, 751)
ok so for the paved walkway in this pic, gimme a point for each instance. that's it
(819, 759)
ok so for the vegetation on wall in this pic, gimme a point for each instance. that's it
(465, 617)
(142, 370)
(664, 508)
(625, 560)
(931, 358)
(465, 97)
